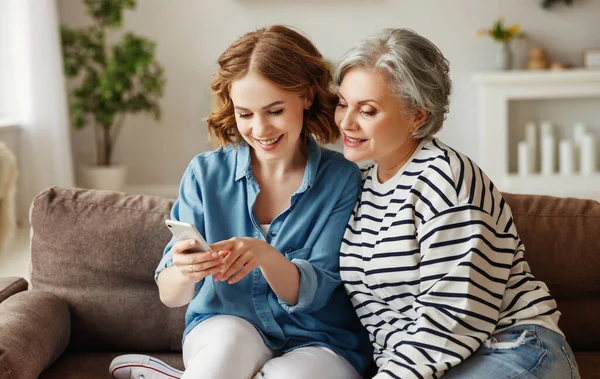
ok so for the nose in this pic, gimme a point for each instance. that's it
(260, 126)
(347, 120)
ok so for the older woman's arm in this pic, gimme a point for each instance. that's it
(466, 263)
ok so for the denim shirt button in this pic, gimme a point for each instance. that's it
(273, 234)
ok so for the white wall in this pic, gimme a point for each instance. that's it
(191, 34)
(7, 102)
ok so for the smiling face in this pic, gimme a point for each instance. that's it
(375, 124)
(269, 118)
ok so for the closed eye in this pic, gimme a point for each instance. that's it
(277, 112)
(342, 105)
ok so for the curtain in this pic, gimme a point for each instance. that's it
(40, 109)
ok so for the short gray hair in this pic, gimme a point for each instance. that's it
(417, 70)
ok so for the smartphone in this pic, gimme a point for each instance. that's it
(186, 231)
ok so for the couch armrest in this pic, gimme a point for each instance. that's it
(35, 328)
(10, 286)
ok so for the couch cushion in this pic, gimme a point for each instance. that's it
(95, 365)
(98, 251)
(588, 364)
(10, 286)
(562, 246)
(34, 331)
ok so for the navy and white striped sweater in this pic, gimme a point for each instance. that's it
(433, 264)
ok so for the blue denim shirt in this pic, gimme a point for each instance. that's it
(217, 195)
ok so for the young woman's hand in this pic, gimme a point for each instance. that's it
(195, 266)
(240, 256)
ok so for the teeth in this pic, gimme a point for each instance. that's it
(269, 141)
(354, 140)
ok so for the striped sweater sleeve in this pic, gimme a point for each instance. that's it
(466, 259)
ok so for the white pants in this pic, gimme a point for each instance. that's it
(229, 347)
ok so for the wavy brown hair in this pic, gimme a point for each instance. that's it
(293, 63)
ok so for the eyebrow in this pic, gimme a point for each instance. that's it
(263, 108)
(360, 102)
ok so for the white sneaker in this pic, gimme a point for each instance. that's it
(135, 366)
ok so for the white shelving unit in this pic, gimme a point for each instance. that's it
(496, 91)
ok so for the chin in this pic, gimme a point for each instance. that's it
(353, 156)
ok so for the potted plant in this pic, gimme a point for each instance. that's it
(112, 82)
(502, 35)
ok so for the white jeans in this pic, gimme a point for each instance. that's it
(229, 347)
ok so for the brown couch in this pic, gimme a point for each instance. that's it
(93, 295)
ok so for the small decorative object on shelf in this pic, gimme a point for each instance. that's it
(558, 66)
(588, 154)
(565, 157)
(532, 145)
(548, 153)
(591, 58)
(578, 132)
(537, 59)
(524, 158)
(502, 35)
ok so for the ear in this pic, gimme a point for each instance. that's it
(309, 98)
(419, 117)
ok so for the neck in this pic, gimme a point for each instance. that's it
(389, 165)
(280, 168)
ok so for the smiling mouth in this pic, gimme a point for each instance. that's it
(268, 142)
(354, 140)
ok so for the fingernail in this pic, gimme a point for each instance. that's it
(223, 269)
(192, 243)
(214, 255)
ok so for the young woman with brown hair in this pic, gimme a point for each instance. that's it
(267, 301)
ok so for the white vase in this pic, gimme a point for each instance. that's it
(103, 177)
(504, 56)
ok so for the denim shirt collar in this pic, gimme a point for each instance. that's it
(244, 168)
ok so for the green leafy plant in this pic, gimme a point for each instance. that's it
(112, 81)
(500, 33)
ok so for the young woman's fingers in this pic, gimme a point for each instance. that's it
(192, 258)
(236, 266)
(226, 245)
(199, 275)
(181, 246)
(231, 261)
(230, 258)
(240, 275)
(202, 266)
(206, 256)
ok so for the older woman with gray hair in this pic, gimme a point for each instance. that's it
(431, 258)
